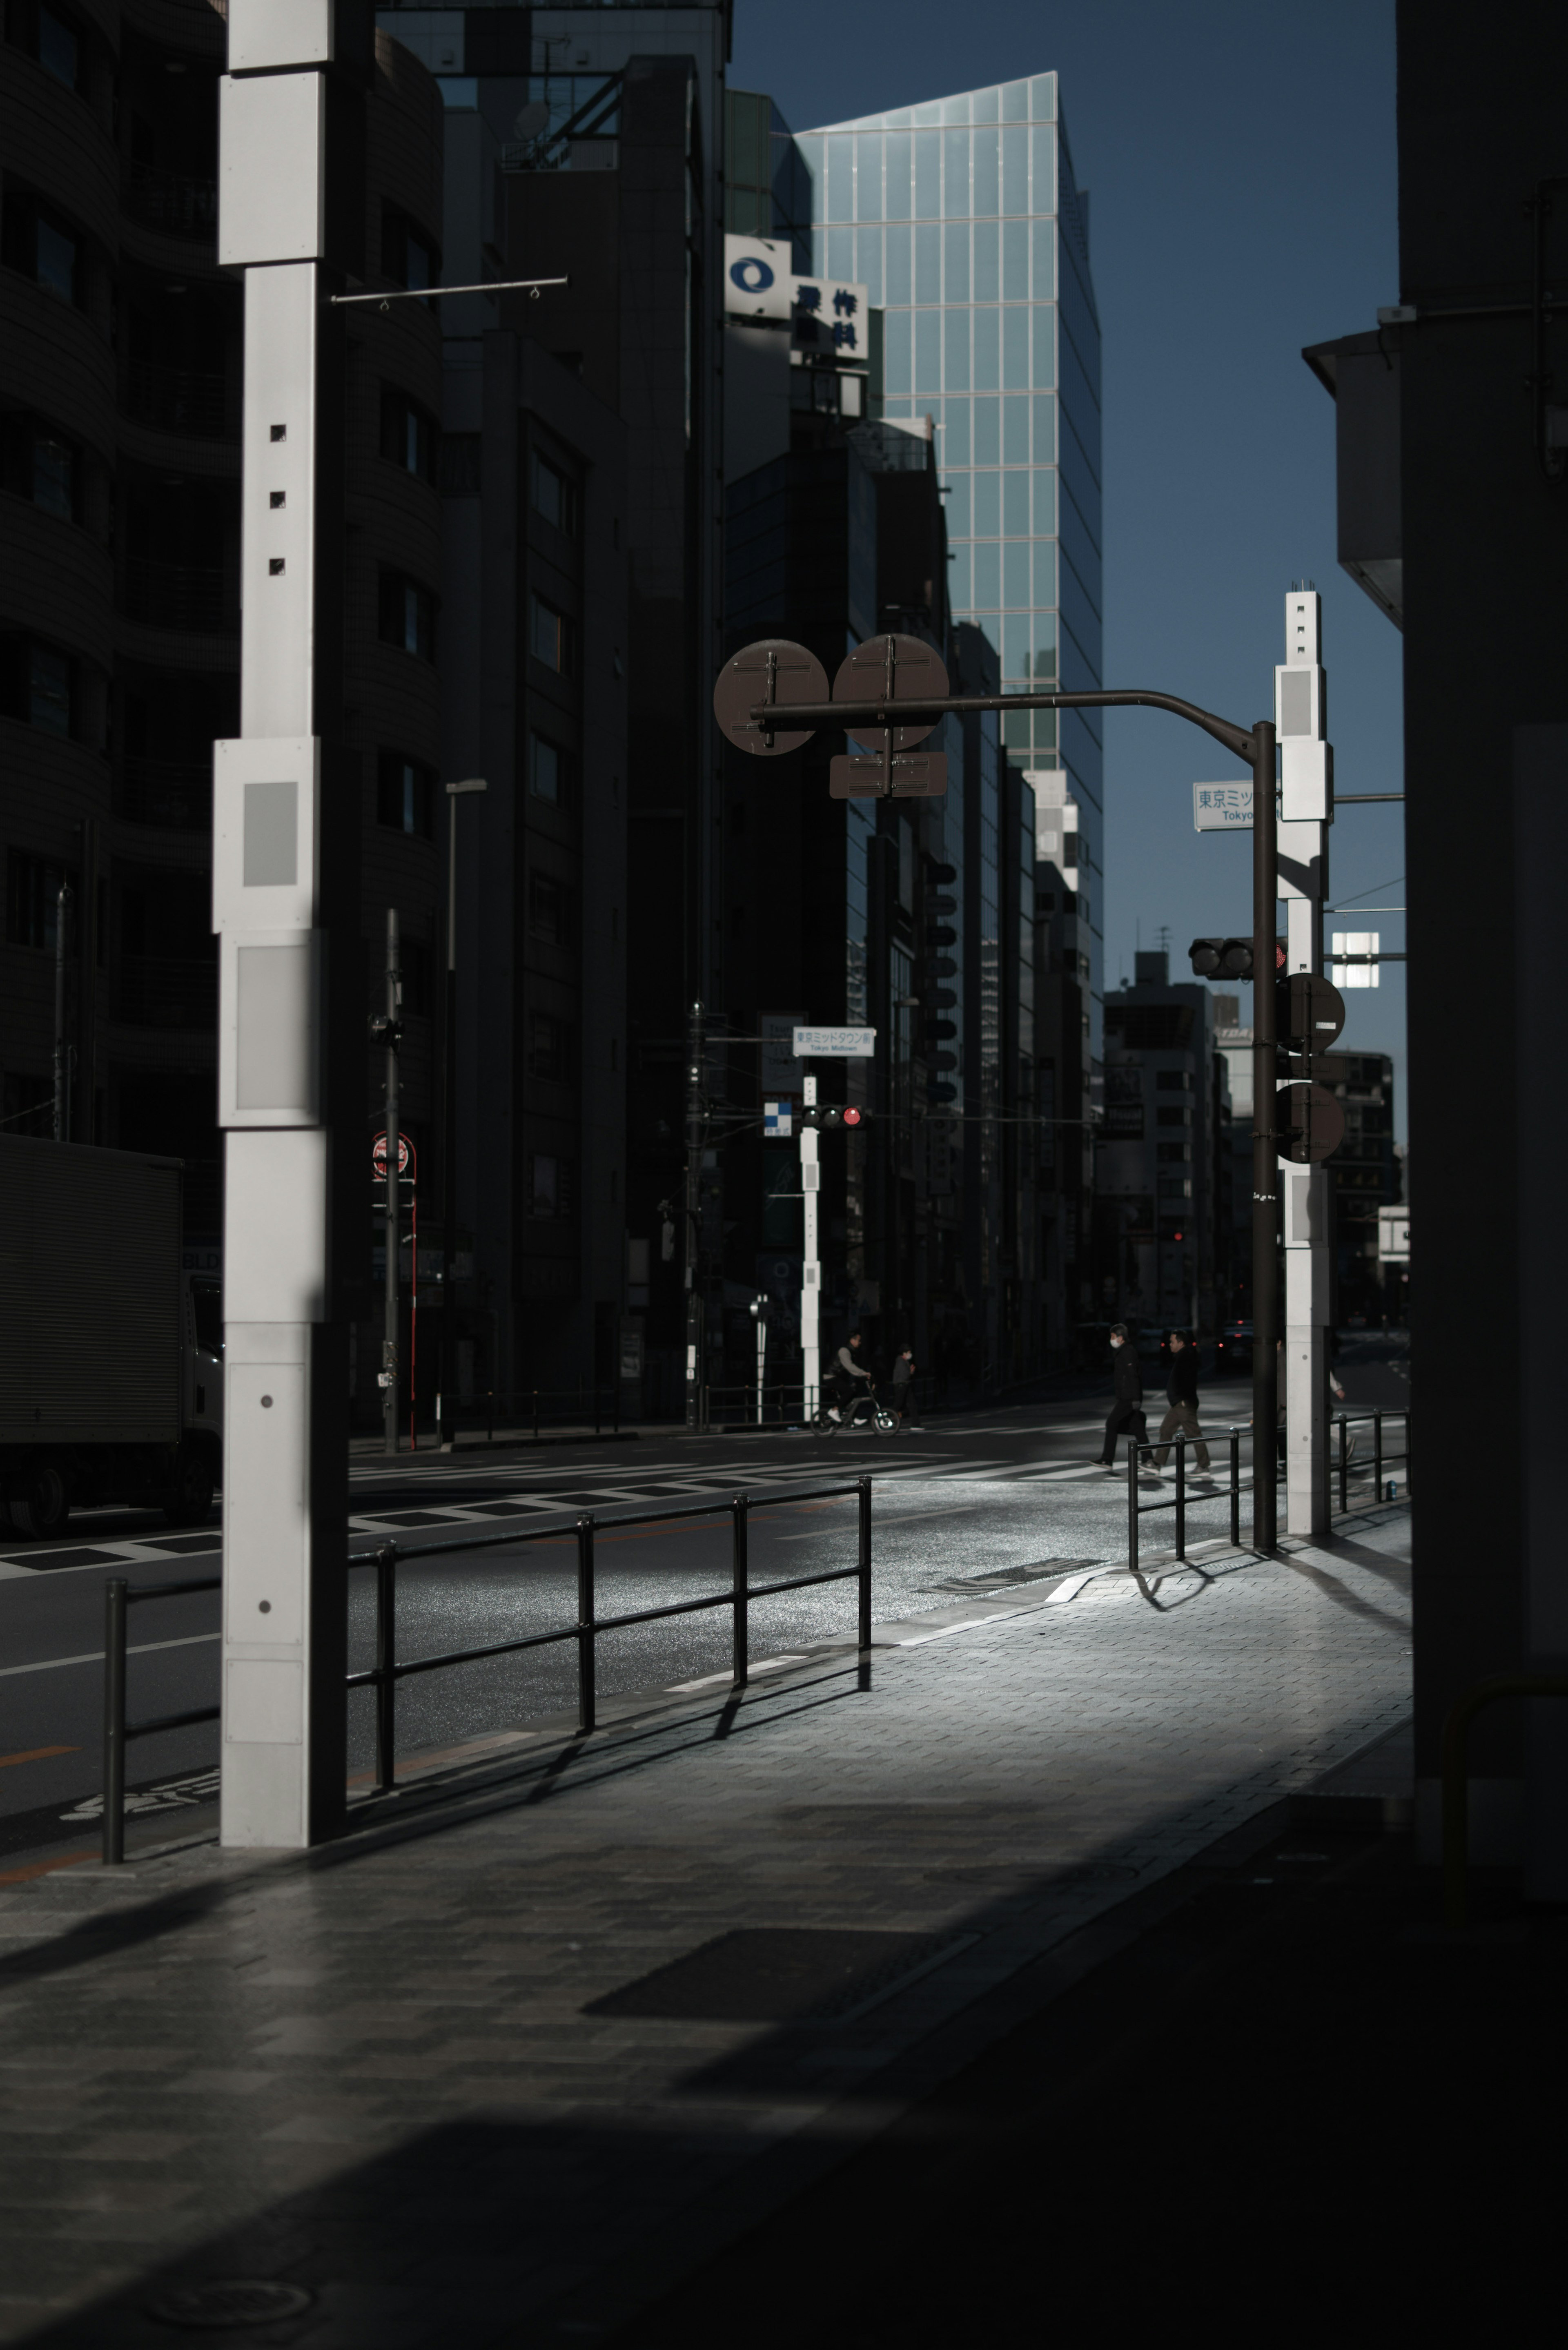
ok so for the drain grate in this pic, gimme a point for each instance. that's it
(226, 2304)
(777, 1974)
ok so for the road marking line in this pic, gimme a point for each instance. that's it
(37, 1754)
(95, 1655)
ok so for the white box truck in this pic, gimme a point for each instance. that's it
(112, 1371)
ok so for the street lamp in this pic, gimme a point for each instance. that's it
(771, 697)
(445, 1421)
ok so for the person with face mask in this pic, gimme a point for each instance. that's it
(1127, 1411)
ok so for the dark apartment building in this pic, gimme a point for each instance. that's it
(1365, 1174)
(120, 384)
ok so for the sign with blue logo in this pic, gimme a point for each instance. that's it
(757, 274)
(778, 1118)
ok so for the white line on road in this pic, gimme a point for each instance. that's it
(95, 1655)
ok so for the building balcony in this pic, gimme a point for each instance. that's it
(179, 399)
(172, 200)
(177, 596)
(168, 991)
(176, 794)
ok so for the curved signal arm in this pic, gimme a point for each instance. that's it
(852, 715)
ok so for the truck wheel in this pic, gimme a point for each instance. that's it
(39, 1500)
(188, 1497)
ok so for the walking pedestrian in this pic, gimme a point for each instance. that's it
(1181, 1391)
(1127, 1411)
(904, 1387)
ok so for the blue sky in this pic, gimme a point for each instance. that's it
(1241, 160)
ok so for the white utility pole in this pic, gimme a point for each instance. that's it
(1306, 809)
(811, 1269)
(285, 885)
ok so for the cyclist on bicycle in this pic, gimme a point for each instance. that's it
(849, 1364)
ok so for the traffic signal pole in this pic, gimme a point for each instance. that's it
(1265, 1164)
(756, 722)
(695, 1130)
(811, 1262)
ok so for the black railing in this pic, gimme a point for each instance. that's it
(174, 201)
(538, 1408)
(1136, 1509)
(179, 399)
(118, 1597)
(589, 1626)
(1341, 1462)
(174, 794)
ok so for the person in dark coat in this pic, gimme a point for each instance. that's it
(1127, 1411)
(1181, 1390)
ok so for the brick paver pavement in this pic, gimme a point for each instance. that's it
(370, 2070)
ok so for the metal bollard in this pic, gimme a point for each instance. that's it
(863, 1487)
(739, 1521)
(586, 1712)
(386, 1658)
(1235, 1488)
(1132, 1503)
(1344, 1464)
(114, 1592)
(536, 1415)
(1181, 1497)
(1376, 1452)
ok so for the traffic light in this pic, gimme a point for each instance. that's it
(826, 1117)
(1221, 958)
(853, 1117)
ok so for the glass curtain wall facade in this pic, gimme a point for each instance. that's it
(962, 218)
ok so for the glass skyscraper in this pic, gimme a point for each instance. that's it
(962, 219)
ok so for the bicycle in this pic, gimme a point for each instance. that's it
(878, 1415)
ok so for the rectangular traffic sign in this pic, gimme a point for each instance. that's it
(835, 1044)
(1223, 807)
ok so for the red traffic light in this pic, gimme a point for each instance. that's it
(854, 1118)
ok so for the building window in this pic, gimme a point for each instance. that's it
(408, 256)
(405, 795)
(45, 34)
(32, 900)
(407, 615)
(1173, 1154)
(1175, 1117)
(40, 244)
(549, 910)
(553, 494)
(39, 464)
(552, 772)
(409, 435)
(552, 1186)
(550, 636)
(549, 1044)
(37, 685)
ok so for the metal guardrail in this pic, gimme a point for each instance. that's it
(582, 1403)
(118, 1597)
(589, 1626)
(1381, 1459)
(1136, 1509)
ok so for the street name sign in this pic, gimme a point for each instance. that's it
(1222, 808)
(835, 1044)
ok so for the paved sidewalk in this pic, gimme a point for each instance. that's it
(371, 2072)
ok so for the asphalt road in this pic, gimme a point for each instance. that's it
(995, 1492)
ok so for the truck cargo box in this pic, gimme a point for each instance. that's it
(89, 1295)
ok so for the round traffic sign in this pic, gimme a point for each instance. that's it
(771, 670)
(892, 668)
(406, 1159)
(1309, 1123)
(1314, 1012)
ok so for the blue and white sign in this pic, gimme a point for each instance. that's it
(835, 1044)
(1223, 807)
(757, 277)
(778, 1118)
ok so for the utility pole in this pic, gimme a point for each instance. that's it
(446, 1425)
(1306, 768)
(811, 1262)
(390, 1030)
(286, 903)
(696, 1129)
(62, 1055)
(760, 1311)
